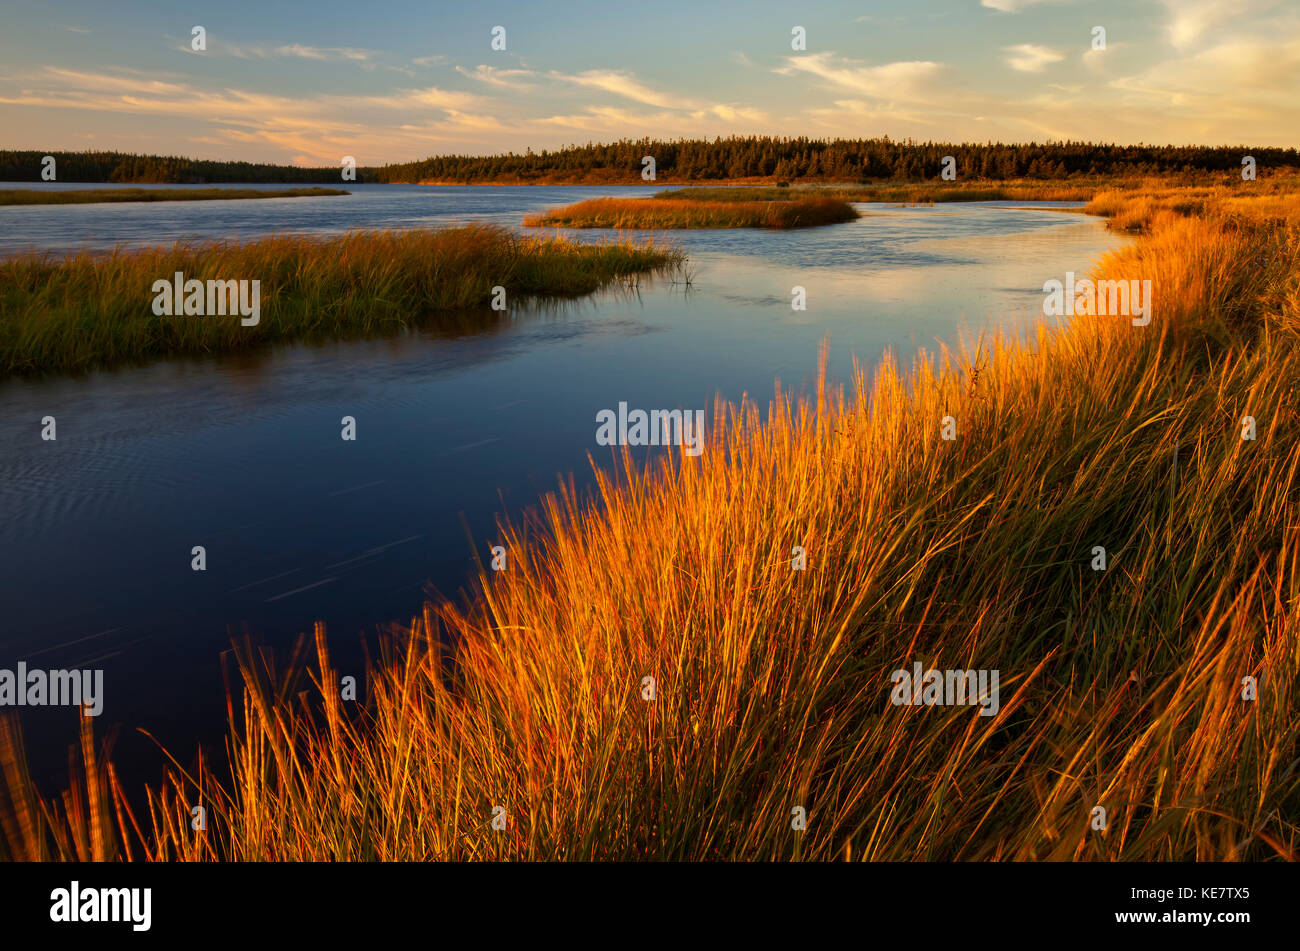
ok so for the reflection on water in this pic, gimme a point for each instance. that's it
(242, 454)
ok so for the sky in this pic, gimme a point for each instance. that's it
(307, 83)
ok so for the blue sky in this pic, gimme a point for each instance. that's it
(308, 83)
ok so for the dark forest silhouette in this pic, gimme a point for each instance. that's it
(784, 159)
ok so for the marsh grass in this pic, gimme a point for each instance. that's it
(1260, 201)
(85, 310)
(1119, 688)
(912, 193)
(1089, 189)
(36, 196)
(667, 213)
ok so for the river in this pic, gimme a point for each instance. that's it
(242, 454)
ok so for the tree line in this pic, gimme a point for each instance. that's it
(719, 159)
(844, 160)
(127, 167)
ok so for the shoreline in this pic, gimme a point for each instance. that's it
(22, 197)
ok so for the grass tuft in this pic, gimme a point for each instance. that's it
(665, 213)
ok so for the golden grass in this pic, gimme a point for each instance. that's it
(36, 196)
(914, 192)
(667, 213)
(1088, 189)
(86, 310)
(1120, 688)
(1276, 200)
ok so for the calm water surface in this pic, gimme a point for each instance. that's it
(243, 454)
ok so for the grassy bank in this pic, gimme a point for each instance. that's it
(80, 311)
(1270, 203)
(1118, 189)
(669, 213)
(1120, 688)
(908, 192)
(88, 196)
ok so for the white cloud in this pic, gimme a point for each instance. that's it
(910, 79)
(1031, 58)
(1240, 76)
(1190, 20)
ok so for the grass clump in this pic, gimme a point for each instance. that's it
(36, 196)
(673, 213)
(85, 310)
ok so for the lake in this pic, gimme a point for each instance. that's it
(243, 455)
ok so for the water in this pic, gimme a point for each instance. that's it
(243, 454)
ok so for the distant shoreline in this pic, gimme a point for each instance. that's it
(92, 196)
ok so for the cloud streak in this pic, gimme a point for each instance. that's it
(903, 80)
(1031, 58)
(625, 85)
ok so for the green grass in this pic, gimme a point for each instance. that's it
(651, 213)
(86, 310)
(37, 196)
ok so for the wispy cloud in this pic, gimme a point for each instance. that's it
(625, 85)
(100, 82)
(1031, 58)
(730, 113)
(618, 121)
(502, 78)
(285, 51)
(324, 52)
(685, 112)
(326, 125)
(1015, 6)
(1191, 20)
(909, 79)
